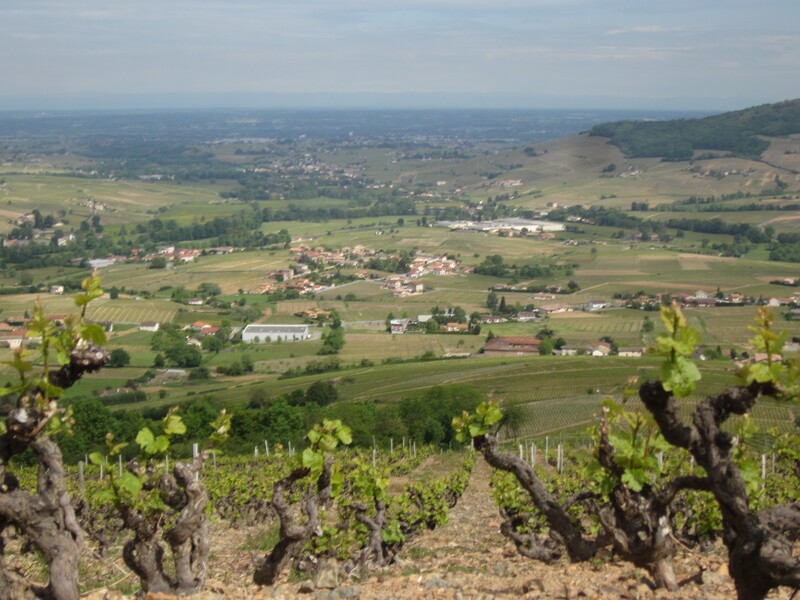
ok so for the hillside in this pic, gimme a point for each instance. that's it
(738, 132)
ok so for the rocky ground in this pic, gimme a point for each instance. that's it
(466, 559)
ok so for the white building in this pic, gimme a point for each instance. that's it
(259, 334)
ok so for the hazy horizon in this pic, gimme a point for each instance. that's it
(523, 54)
(233, 101)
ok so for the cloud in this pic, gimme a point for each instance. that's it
(643, 29)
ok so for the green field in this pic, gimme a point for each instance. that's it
(557, 394)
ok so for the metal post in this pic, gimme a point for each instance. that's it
(82, 479)
(546, 451)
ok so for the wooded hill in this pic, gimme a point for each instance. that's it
(734, 132)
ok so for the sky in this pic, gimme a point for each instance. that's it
(674, 54)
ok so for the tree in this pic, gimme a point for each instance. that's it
(332, 341)
(459, 315)
(157, 262)
(321, 393)
(212, 343)
(491, 301)
(119, 358)
(181, 355)
(546, 346)
(199, 374)
(209, 289)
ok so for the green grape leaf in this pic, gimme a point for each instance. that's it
(173, 425)
(475, 429)
(313, 460)
(679, 376)
(149, 443)
(98, 459)
(345, 435)
(105, 495)
(129, 485)
(145, 437)
(313, 436)
(92, 333)
(634, 479)
(488, 412)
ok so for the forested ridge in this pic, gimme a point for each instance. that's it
(735, 132)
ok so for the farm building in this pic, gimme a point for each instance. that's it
(256, 334)
(633, 352)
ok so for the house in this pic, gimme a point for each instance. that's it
(525, 316)
(456, 327)
(100, 263)
(633, 352)
(791, 347)
(57, 290)
(108, 326)
(257, 334)
(149, 326)
(557, 308)
(601, 349)
(705, 301)
(13, 339)
(195, 302)
(567, 351)
(593, 305)
(762, 357)
(512, 345)
(492, 319)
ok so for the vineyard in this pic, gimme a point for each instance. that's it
(412, 488)
(132, 311)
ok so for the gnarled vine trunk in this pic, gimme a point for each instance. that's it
(578, 548)
(187, 536)
(638, 523)
(759, 544)
(44, 517)
(294, 536)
